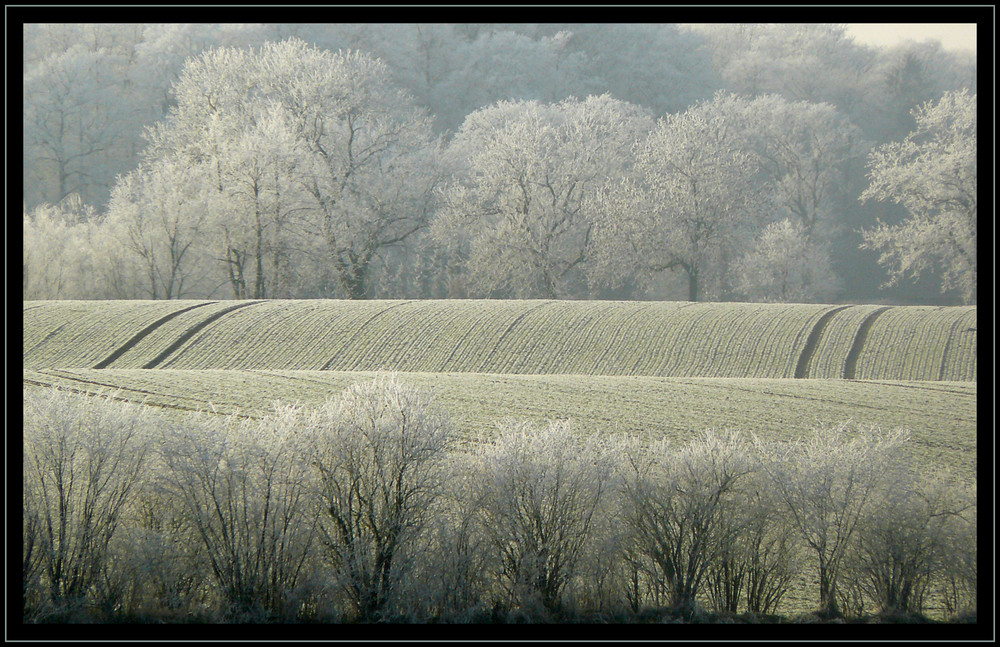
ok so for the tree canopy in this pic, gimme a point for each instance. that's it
(932, 173)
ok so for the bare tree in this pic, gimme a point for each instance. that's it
(82, 461)
(755, 569)
(239, 483)
(829, 483)
(538, 492)
(905, 549)
(376, 455)
(682, 506)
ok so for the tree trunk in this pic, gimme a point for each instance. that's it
(353, 283)
(827, 593)
(692, 284)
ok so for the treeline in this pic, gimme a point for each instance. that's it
(506, 161)
(367, 509)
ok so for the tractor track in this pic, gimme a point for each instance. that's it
(191, 332)
(812, 342)
(851, 364)
(139, 336)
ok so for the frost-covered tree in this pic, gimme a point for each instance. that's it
(354, 154)
(83, 460)
(805, 149)
(785, 266)
(684, 507)
(518, 215)
(161, 214)
(755, 567)
(906, 548)
(76, 118)
(239, 485)
(800, 61)
(376, 457)
(905, 77)
(831, 483)
(933, 174)
(538, 493)
(692, 199)
(69, 251)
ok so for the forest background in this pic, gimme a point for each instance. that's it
(585, 161)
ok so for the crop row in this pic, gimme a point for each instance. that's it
(664, 339)
(924, 343)
(941, 415)
(82, 333)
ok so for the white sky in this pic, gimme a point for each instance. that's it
(953, 36)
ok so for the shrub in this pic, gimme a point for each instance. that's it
(682, 507)
(240, 486)
(452, 582)
(829, 484)
(755, 569)
(904, 547)
(82, 460)
(376, 456)
(538, 491)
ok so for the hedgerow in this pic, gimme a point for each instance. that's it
(363, 509)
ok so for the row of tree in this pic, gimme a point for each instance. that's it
(91, 88)
(366, 508)
(291, 171)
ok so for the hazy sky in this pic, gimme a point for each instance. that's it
(952, 36)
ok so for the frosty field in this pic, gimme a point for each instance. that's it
(663, 339)
(648, 368)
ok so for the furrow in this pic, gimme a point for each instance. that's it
(812, 343)
(360, 329)
(485, 366)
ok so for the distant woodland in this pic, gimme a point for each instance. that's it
(725, 162)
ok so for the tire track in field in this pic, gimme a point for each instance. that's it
(925, 386)
(47, 337)
(851, 364)
(812, 342)
(797, 396)
(514, 323)
(191, 332)
(118, 398)
(947, 347)
(56, 374)
(360, 330)
(138, 337)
